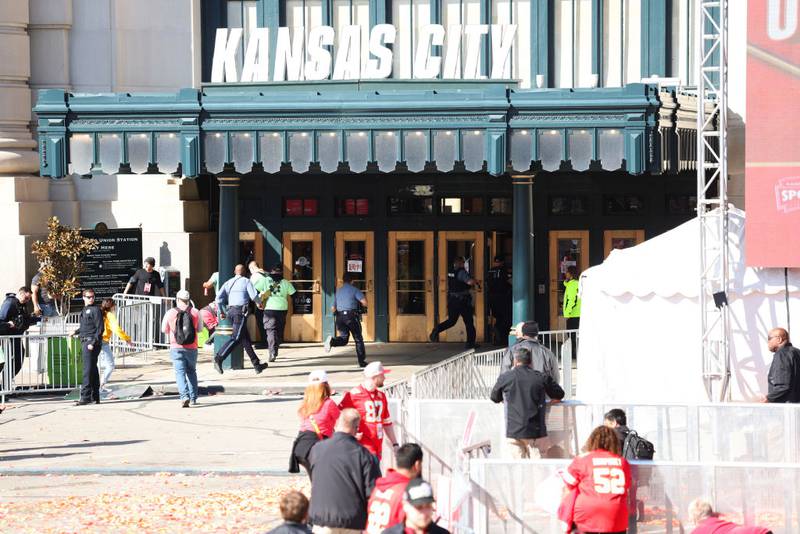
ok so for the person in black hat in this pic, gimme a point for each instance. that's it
(146, 281)
(418, 506)
(498, 288)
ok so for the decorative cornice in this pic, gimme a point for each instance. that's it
(359, 121)
(574, 117)
(105, 124)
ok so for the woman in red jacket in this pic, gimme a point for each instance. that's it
(601, 478)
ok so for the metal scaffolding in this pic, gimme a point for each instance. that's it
(712, 192)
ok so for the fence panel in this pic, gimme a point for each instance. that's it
(40, 362)
(153, 310)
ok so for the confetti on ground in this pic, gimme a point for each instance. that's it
(162, 503)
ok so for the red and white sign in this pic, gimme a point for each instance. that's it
(772, 184)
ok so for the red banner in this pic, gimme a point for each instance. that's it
(772, 182)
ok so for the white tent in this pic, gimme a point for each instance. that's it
(640, 320)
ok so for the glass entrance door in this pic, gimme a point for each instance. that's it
(354, 254)
(568, 248)
(469, 245)
(302, 254)
(410, 286)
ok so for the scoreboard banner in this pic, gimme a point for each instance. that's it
(772, 182)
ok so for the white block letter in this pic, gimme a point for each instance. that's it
(776, 30)
(426, 65)
(502, 40)
(223, 66)
(318, 66)
(348, 54)
(472, 63)
(381, 67)
(289, 55)
(256, 59)
(452, 56)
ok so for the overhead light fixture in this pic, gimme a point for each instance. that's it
(304, 134)
(418, 133)
(172, 136)
(390, 134)
(144, 136)
(275, 134)
(217, 134)
(247, 134)
(477, 132)
(332, 134)
(361, 134)
(553, 132)
(524, 132)
(448, 132)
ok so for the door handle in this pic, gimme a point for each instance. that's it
(478, 287)
(430, 285)
(316, 287)
(369, 285)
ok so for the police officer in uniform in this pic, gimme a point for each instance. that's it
(90, 332)
(348, 318)
(459, 302)
(498, 282)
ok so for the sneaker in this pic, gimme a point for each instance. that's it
(433, 336)
(260, 367)
(218, 366)
(362, 363)
(273, 357)
(105, 389)
(194, 402)
(185, 403)
(328, 344)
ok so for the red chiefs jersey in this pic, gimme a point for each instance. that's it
(603, 480)
(385, 506)
(374, 410)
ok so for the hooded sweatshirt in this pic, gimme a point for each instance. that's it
(385, 506)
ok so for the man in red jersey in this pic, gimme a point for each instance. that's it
(371, 403)
(385, 507)
(709, 522)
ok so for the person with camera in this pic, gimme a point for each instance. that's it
(348, 305)
(274, 291)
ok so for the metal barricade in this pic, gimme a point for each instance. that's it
(150, 311)
(47, 361)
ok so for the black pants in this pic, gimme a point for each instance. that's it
(238, 317)
(573, 323)
(261, 325)
(274, 323)
(90, 387)
(347, 323)
(500, 308)
(458, 307)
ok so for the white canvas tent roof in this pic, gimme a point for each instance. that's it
(640, 320)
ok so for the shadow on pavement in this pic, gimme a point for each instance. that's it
(76, 445)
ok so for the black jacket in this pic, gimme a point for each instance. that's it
(344, 474)
(291, 528)
(12, 310)
(399, 528)
(523, 390)
(784, 375)
(91, 325)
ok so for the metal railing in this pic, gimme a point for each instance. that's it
(49, 361)
(143, 314)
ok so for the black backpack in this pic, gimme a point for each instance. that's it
(636, 447)
(185, 333)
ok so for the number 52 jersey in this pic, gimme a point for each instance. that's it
(603, 480)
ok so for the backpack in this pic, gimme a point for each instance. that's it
(636, 447)
(185, 333)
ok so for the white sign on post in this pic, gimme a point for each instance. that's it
(357, 58)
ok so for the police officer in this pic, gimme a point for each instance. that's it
(274, 291)
(348, 318)
(234, 297)
(498, 282)
(90, 332)
(459, 302)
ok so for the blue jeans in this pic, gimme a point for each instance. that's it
(48, 309)
(107, 363)
(185, 363)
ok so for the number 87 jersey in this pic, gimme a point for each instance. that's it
(603, 480)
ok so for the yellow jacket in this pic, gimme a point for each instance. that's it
(111, 326)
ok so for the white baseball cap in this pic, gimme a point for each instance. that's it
(183, 295)
(317, 377)
(375, 369)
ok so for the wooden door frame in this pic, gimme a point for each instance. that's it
(479, 267)
(316, 270)
(553, 237)
(608, 235)
(392, 238)
(368, 236)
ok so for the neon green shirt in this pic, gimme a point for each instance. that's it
(572, 303)
(275, 296)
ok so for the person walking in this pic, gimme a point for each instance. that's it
(110, 327)
(233, 299)
(181, 325)
(418, 511)
(459, 303)
(344, 474)
(543, 359)
(371, 403)
(348, 318)
(385, 507)
(523, 390)
(599, 481)
(294, 511)
(318, 414)
(257, 276)
(43, 303)
(498, 288)
(90, 332)
(15, 321)
(784, 372)
(274, 291)
(146, 281)
(571, 307)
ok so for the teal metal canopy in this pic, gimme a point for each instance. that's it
(363, 127)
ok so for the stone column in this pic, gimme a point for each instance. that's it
(228, 251)
(522, 278)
